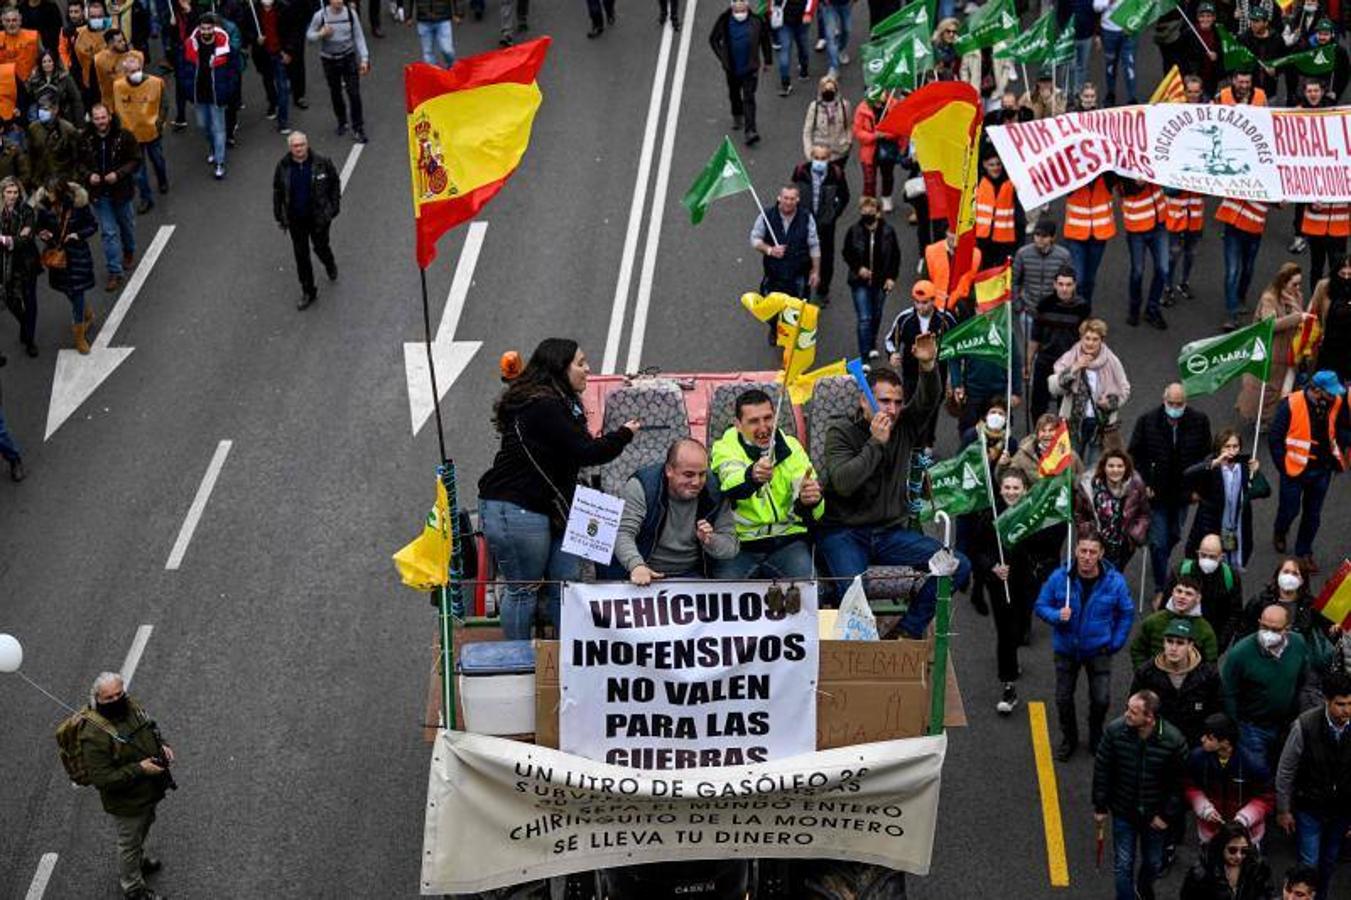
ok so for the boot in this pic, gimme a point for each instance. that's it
(80, 343)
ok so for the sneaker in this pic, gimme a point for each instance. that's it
(752, 137)
(144, 207)
(211, 159)
(776, 46)
(785, 89)
(1066, 750)
(1156, 320)
(307, 299)
(844, 59)
(1008, 701)
(1186, 290)
(301, 103)
(284, 130)
(178, 124)
(1169, 298)
(232, 141)
(150, 865)
(359, 136)
(820, 45)
(803, 74)
(341, 129)
(874, 354)
(1230, 324)
(830, 73)
(219, 173)
(887, 205)
(271, 112)
(738, 123)
(115, 281)
(1298, 245)
(1310, 564)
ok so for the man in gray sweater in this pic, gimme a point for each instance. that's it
(866, 473)
(343, 54)
(674, 518)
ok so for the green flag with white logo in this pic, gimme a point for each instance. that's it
(723, 176)
(918, 13)
(1209, 364)
(1026, 46)
(1233, 54)
(1134, 16)
(958, 486)
(1061, 52)
(896, 61)
(1314, 61)
(994, 22)
(1047, 503)
(980, 337)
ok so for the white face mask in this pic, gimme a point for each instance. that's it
(741, 16)
(1288, 581)
(995, 421)
(1272, 640)
(135, 77)
(1208, 565)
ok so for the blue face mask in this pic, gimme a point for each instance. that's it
(44, 115)
(819, 166)
(97, 23)
(1174, 412)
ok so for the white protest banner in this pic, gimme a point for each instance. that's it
(686, 674)
(593, 523)
(501, 812)
(1244, 152)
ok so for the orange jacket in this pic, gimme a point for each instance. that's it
(995, 211)
(1245, 215)
(1326, 220)
(1226, 98)
(1143, 209)
(20, 49)
(938, 264)
(1186, 212)
(1299, 436)
(865, 132)
(1088, 212)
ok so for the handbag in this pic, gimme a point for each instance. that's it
(55, 257)
(559, 507)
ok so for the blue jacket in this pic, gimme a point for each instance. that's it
(1104, 626)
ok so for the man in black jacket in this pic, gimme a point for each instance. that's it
(110, 155)
(1221, 589)
(306, 193)
(740, 40)
(825, 194)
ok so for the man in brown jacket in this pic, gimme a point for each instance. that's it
(142, 104)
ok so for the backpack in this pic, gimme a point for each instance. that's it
(68, 741)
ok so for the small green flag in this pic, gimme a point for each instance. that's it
(994, 22)
(723, 176)
(1210, 363)
(896, 61)
(958, 486)
(1134, 16)
(1048, 503)
(920, 12)
(1233, 54)
(1027, 46)
(1314, 61)
(980, 337)
(1062, 51)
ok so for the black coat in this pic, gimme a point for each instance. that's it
(834, 193)
(1162, 461)
(117, 151)
(325, 190)
(1186, 706)
(78, 275)
(1207, 881)
(722, 48)
(875, 249)
(19, 264)
(1208, 484)
(1135, 785)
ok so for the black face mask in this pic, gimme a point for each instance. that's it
(117, 709)
(827, 96)
(868, 218)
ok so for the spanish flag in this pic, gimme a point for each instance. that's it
(942, 123)
(1334, 602)
(468, 127)
(992, 286)
(1059, 455)
(1170, 88)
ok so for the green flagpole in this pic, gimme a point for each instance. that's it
(942, 622)
(451, 596)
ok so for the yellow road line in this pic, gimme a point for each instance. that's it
(1050, 797)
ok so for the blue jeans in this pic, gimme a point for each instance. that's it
(1086, 256)
(849, 551)
(1320, 844)
(1165, 530)
(152, 154)
(791, 560)
(1119, 47)
(837, 18)
(1181, 248)
(211, 119)
(1310, 488)
(868, 303)
(1156, 243)
(526, 550)
(76, 299)
(9, 448)
(1260, 740)
(787, 36)
(436, 36)
(1083, 55)
(1240, 253)
(117, 229)
(281, 83)
(1125, 835)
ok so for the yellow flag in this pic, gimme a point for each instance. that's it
(796, 328)
(424, 563)
(800, 389)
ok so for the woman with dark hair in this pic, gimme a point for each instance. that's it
(1112, 501)
(1232, 869)
(1332, 304)
(1224, 483)
(65, 223)
(50, 79)
(524, 498)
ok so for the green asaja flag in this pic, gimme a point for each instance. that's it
(1061, 52)
(1027, 45)
(723, 176)
(996, 21)
(919, 13)
(896, 61)
(980, 337)
(1048, 503)
(1134, 16)
(1233, 54)
(1209, 364)
(958, 486)
(1314, 61)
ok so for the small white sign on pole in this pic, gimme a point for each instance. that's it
(592, 525)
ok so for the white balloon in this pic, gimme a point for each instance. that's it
(11, 653)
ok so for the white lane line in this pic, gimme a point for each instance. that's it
(41, 877)
(462, 280)
(621, 299)
(645, 278)
(134, 285)
(198, 506)
(352, 156)
(134, 654)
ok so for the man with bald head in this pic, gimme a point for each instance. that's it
(1221, 588)
(1262, 675)
(675, 519)
(1167, 440)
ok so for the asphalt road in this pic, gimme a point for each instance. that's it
(284, 662)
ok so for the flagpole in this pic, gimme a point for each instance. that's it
(1008, 371)
(1069, 547)
(1257, 426)
(431, 364)
(999, 541)
(787, 364)
(760, 206)
(1183, 14)
(1140, 601)
(1027, 85)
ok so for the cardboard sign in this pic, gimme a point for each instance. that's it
(686, 674)
(593, 524)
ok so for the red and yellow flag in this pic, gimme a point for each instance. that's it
(1059, 454)
(1170, 88)
(468, 127)
(992, 286)
(942, 123)
(1334, 602)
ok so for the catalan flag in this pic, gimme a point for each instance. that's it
(992, 286)
(1059, 454)
(1170, 88)
(468, 127)
(1334, 602)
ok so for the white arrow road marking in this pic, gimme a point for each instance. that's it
(77, 376)
(349, 166)
(451, 356)
(198, 505)
(134, 654)
(38, 887)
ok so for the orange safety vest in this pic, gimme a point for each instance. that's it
(939, 266)
(994, 211)
(1186, 212)
(21, 49)
(1088, 213)
(9, 91)
(1142, 210)
(1226, 98)
(1299, 436)
(1245, 215)
(1332, 220)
